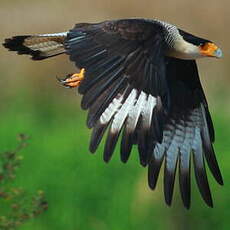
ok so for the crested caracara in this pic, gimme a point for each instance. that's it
(139, 80)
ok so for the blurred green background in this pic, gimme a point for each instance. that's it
(83, 192)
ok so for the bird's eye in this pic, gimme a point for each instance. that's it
(205, 45)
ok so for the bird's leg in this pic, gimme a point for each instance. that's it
(73, 80)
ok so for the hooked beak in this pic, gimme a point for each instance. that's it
(210, 50)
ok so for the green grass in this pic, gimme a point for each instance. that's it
(85, 193)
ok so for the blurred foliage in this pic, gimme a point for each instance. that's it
(17, 205)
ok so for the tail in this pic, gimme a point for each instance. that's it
(38, 46)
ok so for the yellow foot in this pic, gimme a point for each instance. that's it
(73, 80)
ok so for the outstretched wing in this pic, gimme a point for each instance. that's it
(188, 133)
(125, 85)
(156, 102)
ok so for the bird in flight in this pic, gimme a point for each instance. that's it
(139, 80)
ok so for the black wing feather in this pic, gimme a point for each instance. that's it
(184, 176)
(99, 87)
(126, 145)
(155, 165)
(209, 151)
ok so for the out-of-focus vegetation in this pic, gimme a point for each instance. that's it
(16, 205)
(84, 192)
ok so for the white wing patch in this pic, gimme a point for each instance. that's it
(135, 112)
(113, 107)
(148, 111)
(121, 115)
(129, 111)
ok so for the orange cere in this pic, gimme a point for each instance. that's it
(208, 49)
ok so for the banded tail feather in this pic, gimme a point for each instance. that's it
(39, 46)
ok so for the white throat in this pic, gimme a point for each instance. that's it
(184, 50)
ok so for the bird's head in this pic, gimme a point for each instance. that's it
(202, 47)
(209, 49)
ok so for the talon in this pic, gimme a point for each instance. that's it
(72, 80)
